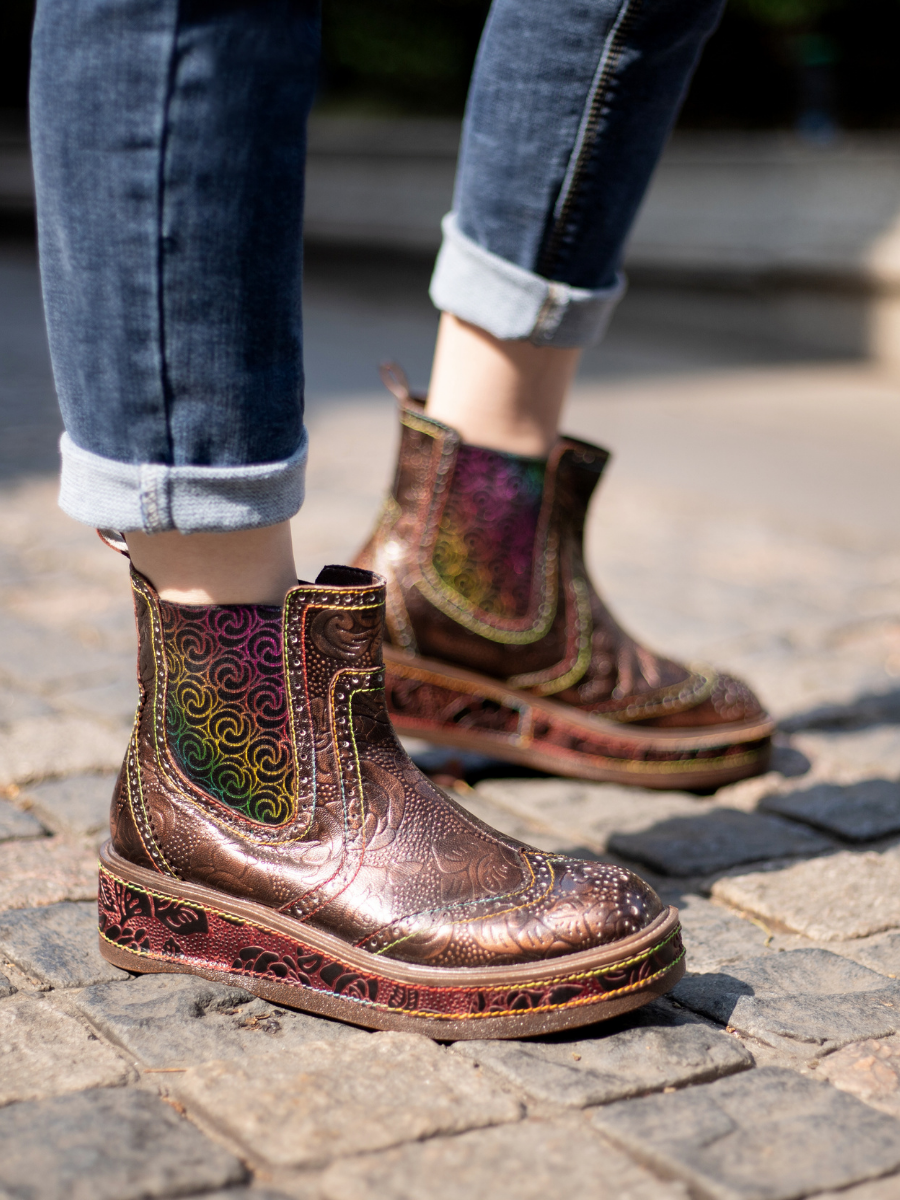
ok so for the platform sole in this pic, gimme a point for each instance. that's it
(153, 923)
(461, 709)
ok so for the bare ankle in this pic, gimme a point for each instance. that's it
(247, 566)
(505, 395)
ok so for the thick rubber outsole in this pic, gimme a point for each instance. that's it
(485, 716)
(153, 923)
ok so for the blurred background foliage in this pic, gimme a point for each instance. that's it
(812, 65)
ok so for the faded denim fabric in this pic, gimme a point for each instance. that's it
(169, 144)
(169, 150)
(570, 106)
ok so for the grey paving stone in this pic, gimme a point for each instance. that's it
(326, 1099)
(109, 1144)
(812, 998)
(18, 703)
(56, 944)
(715, 936)
(17, 824)
(857, 812)
(533, 1160)
(661, 1049)
(37, 657)
(881, 952)
(181, 1020)
(6, 988)
(869, 1070)
(245, 1193)
(44, 871)
(60, 743)
(44, 1052)
(586, 814)
(115, 700)
(515, 825)
(716, 840)
(76, 804)
(768, 1134)
(847, 895)
(887, 1188)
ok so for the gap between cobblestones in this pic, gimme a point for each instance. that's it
(771, 1074)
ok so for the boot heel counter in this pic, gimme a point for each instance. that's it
(123, 830)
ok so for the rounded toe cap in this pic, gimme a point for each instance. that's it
(594, 904)
(730, 702)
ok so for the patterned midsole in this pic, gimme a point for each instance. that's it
(161, 927)
(426, 702)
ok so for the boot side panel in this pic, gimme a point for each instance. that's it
(123, 825)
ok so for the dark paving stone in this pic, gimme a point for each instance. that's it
(77, 804)
(180, 1020)
(813, 999)
(662, 1049)
(57, 944)
(17, 824)
(859, 812)
(768, 1134)
(107, 1144)
(6, 988)
(715, 841)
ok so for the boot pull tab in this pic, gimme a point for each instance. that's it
(394, 379)
(115, 541)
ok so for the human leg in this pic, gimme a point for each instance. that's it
(175, 326)
(568, 112)
(170, 183)
(504, 394)
(567, 115)
(266, 824)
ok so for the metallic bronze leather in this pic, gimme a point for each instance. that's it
(457, 708)
(370, 850)
(566, 646)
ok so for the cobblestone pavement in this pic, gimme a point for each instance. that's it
(749, 520)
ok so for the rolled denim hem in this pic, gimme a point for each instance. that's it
(155, 498)
(512, 303)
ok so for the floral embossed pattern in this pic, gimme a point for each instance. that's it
(485, 543)
(226, 708)
(172, 929)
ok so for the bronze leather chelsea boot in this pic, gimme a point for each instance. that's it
(499, 643)
(269, 831)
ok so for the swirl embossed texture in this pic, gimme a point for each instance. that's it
(226, 706)
(484, 550)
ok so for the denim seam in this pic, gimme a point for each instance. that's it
(585, 139)
(513, 303)
(154, 497)
(164, 382)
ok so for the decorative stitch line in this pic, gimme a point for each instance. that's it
(616, 966)
(456, 606)
(542, 682)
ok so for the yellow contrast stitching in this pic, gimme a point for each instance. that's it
(616, 966)
(469, 920)
(427, 1012)
(177, 785)
(538, 681)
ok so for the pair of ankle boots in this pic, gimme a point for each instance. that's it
(269, 830)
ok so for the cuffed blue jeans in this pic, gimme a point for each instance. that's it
(169, 145)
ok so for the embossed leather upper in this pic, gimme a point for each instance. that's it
(263, 764)
(483, 554)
